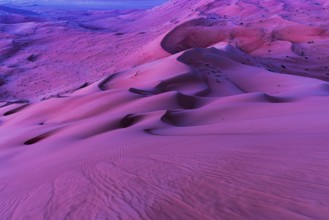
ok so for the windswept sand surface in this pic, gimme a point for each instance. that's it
(191, 110)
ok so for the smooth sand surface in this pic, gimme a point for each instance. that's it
(190, 110)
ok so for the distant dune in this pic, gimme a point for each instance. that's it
(194, 109)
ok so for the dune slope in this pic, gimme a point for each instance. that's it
(217, 111)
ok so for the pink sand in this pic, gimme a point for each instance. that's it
(195, 109)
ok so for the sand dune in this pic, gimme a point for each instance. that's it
(191, 110)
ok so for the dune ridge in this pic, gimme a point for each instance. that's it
(191, 110)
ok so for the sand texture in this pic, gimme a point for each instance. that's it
(190, 110)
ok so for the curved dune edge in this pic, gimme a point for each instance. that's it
(205, 124)
(214, 131)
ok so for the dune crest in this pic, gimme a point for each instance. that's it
(191, 110)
